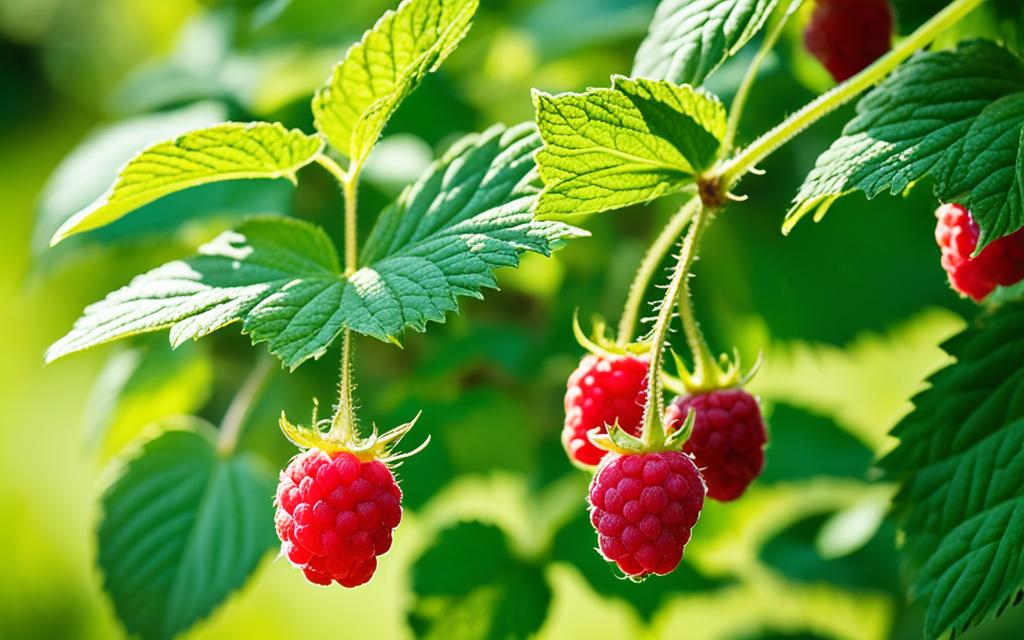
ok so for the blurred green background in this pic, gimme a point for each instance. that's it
(495, 542)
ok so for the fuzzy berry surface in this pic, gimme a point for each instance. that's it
(335, 515)
(728, 439)
(601, 391)
(643, 507)
(848, 35)
(999, 263)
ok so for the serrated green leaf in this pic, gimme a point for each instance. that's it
(961, 464)
(496, 596)
(689, 39)
(610, 148)
(953, 116)
(380, 70)
(229, 151)
(443, 238)
(182, 528)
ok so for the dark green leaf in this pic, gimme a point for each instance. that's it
(961, 464)
(182, 528)
(953, 116)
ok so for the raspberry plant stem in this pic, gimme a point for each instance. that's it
(734, 170)
(238, 411)
(653, 435)
(655, 254)
(739, 102)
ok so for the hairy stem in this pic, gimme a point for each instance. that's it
(343, 425)
(653, 435)
(743, 92)
(734, 170)
(655, 254)
(241, 405)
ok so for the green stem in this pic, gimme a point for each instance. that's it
(703, 361)
(343, 425)
(734, 170)
(743, 92)
(237, 412)
(653, 435)
(655, 254)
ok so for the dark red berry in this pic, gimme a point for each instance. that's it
(601, 391)
(643, 507)
(728, 439)
(848, 35)
(335, 515)
(999, 263)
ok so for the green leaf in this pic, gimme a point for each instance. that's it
(689, 39)
(182, 528)
(491, 595)
(443, 238)
(610, 148)
(953, 116)
(961, 504)
(228, 151)
(380, 70)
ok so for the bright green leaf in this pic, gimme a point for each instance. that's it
(953, 116)
(228, 151)
(468, 215)
(960, 460)
(610, 148)
(495, 596)
(380, 70)
(182, 528)
(689, 39)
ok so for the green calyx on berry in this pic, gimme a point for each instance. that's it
(322, 435)
(709, 374)
(599, 344)
(618, 440)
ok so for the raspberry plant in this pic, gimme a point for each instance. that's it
(186, 521)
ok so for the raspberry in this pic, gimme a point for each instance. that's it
(600, 391)
(335, 515)
(728, 439)
(999, 263)
(643, 507)
(848, 35)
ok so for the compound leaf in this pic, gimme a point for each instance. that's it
(468, 215)
(182, 528)
(961, 505)
(689, 39)
(610, 148)
(955, 116)
(380, 70)
(228, 151)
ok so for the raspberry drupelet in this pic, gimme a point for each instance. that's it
(335, 515)
(728, 439)
(643, 507)
(848, 35)
(1000, 263)
(603, 390)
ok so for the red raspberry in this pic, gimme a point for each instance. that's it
(600, 391)
(848, 35)
(335, 515)
(643, 507)
(728, 439)
(999, 263)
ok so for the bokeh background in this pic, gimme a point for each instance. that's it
(495, 543)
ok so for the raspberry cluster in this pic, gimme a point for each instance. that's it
(848, 35)
(999, 263)
(728, 439)
(603, 390)
(643, 507)
(335, 515)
